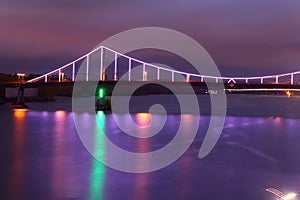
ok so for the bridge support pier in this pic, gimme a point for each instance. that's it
(102, 102)
(19, 104)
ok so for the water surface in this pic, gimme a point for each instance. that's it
(42, 156)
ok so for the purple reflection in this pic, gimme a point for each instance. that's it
(46, 160)
(59, 164)
(65, 181)
(142, 180)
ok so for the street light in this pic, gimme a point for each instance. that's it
(21, 76)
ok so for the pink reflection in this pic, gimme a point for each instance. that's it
(18, 163)
(141, 183)
(143, 145)
(62, 188)
(59, 114)
(278, 120)
(185, 162)
(59, 154)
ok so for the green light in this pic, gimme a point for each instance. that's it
(98, 170)
(101, 93)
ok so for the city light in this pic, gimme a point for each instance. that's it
(288, 93)
(290, 196)
(21, 76)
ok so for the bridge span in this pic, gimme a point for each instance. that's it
(149, 72)
(61, 80)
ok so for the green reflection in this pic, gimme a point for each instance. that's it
(98, 169)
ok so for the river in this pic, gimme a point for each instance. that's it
(42, 156)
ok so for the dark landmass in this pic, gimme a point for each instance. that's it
(48, 91)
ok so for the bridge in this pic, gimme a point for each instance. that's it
(89, 74)
(103, 65)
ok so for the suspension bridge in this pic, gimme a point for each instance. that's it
(105, 65)
(90, 74)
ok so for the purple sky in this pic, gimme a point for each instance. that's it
(243, 37)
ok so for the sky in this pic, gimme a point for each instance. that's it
(253, 37)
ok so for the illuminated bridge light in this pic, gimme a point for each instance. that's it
(189, 76)
(290, 196)
(281, 195)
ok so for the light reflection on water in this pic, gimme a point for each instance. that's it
(50, 162)
(97, 176)
(141, 183)
(19, 157)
